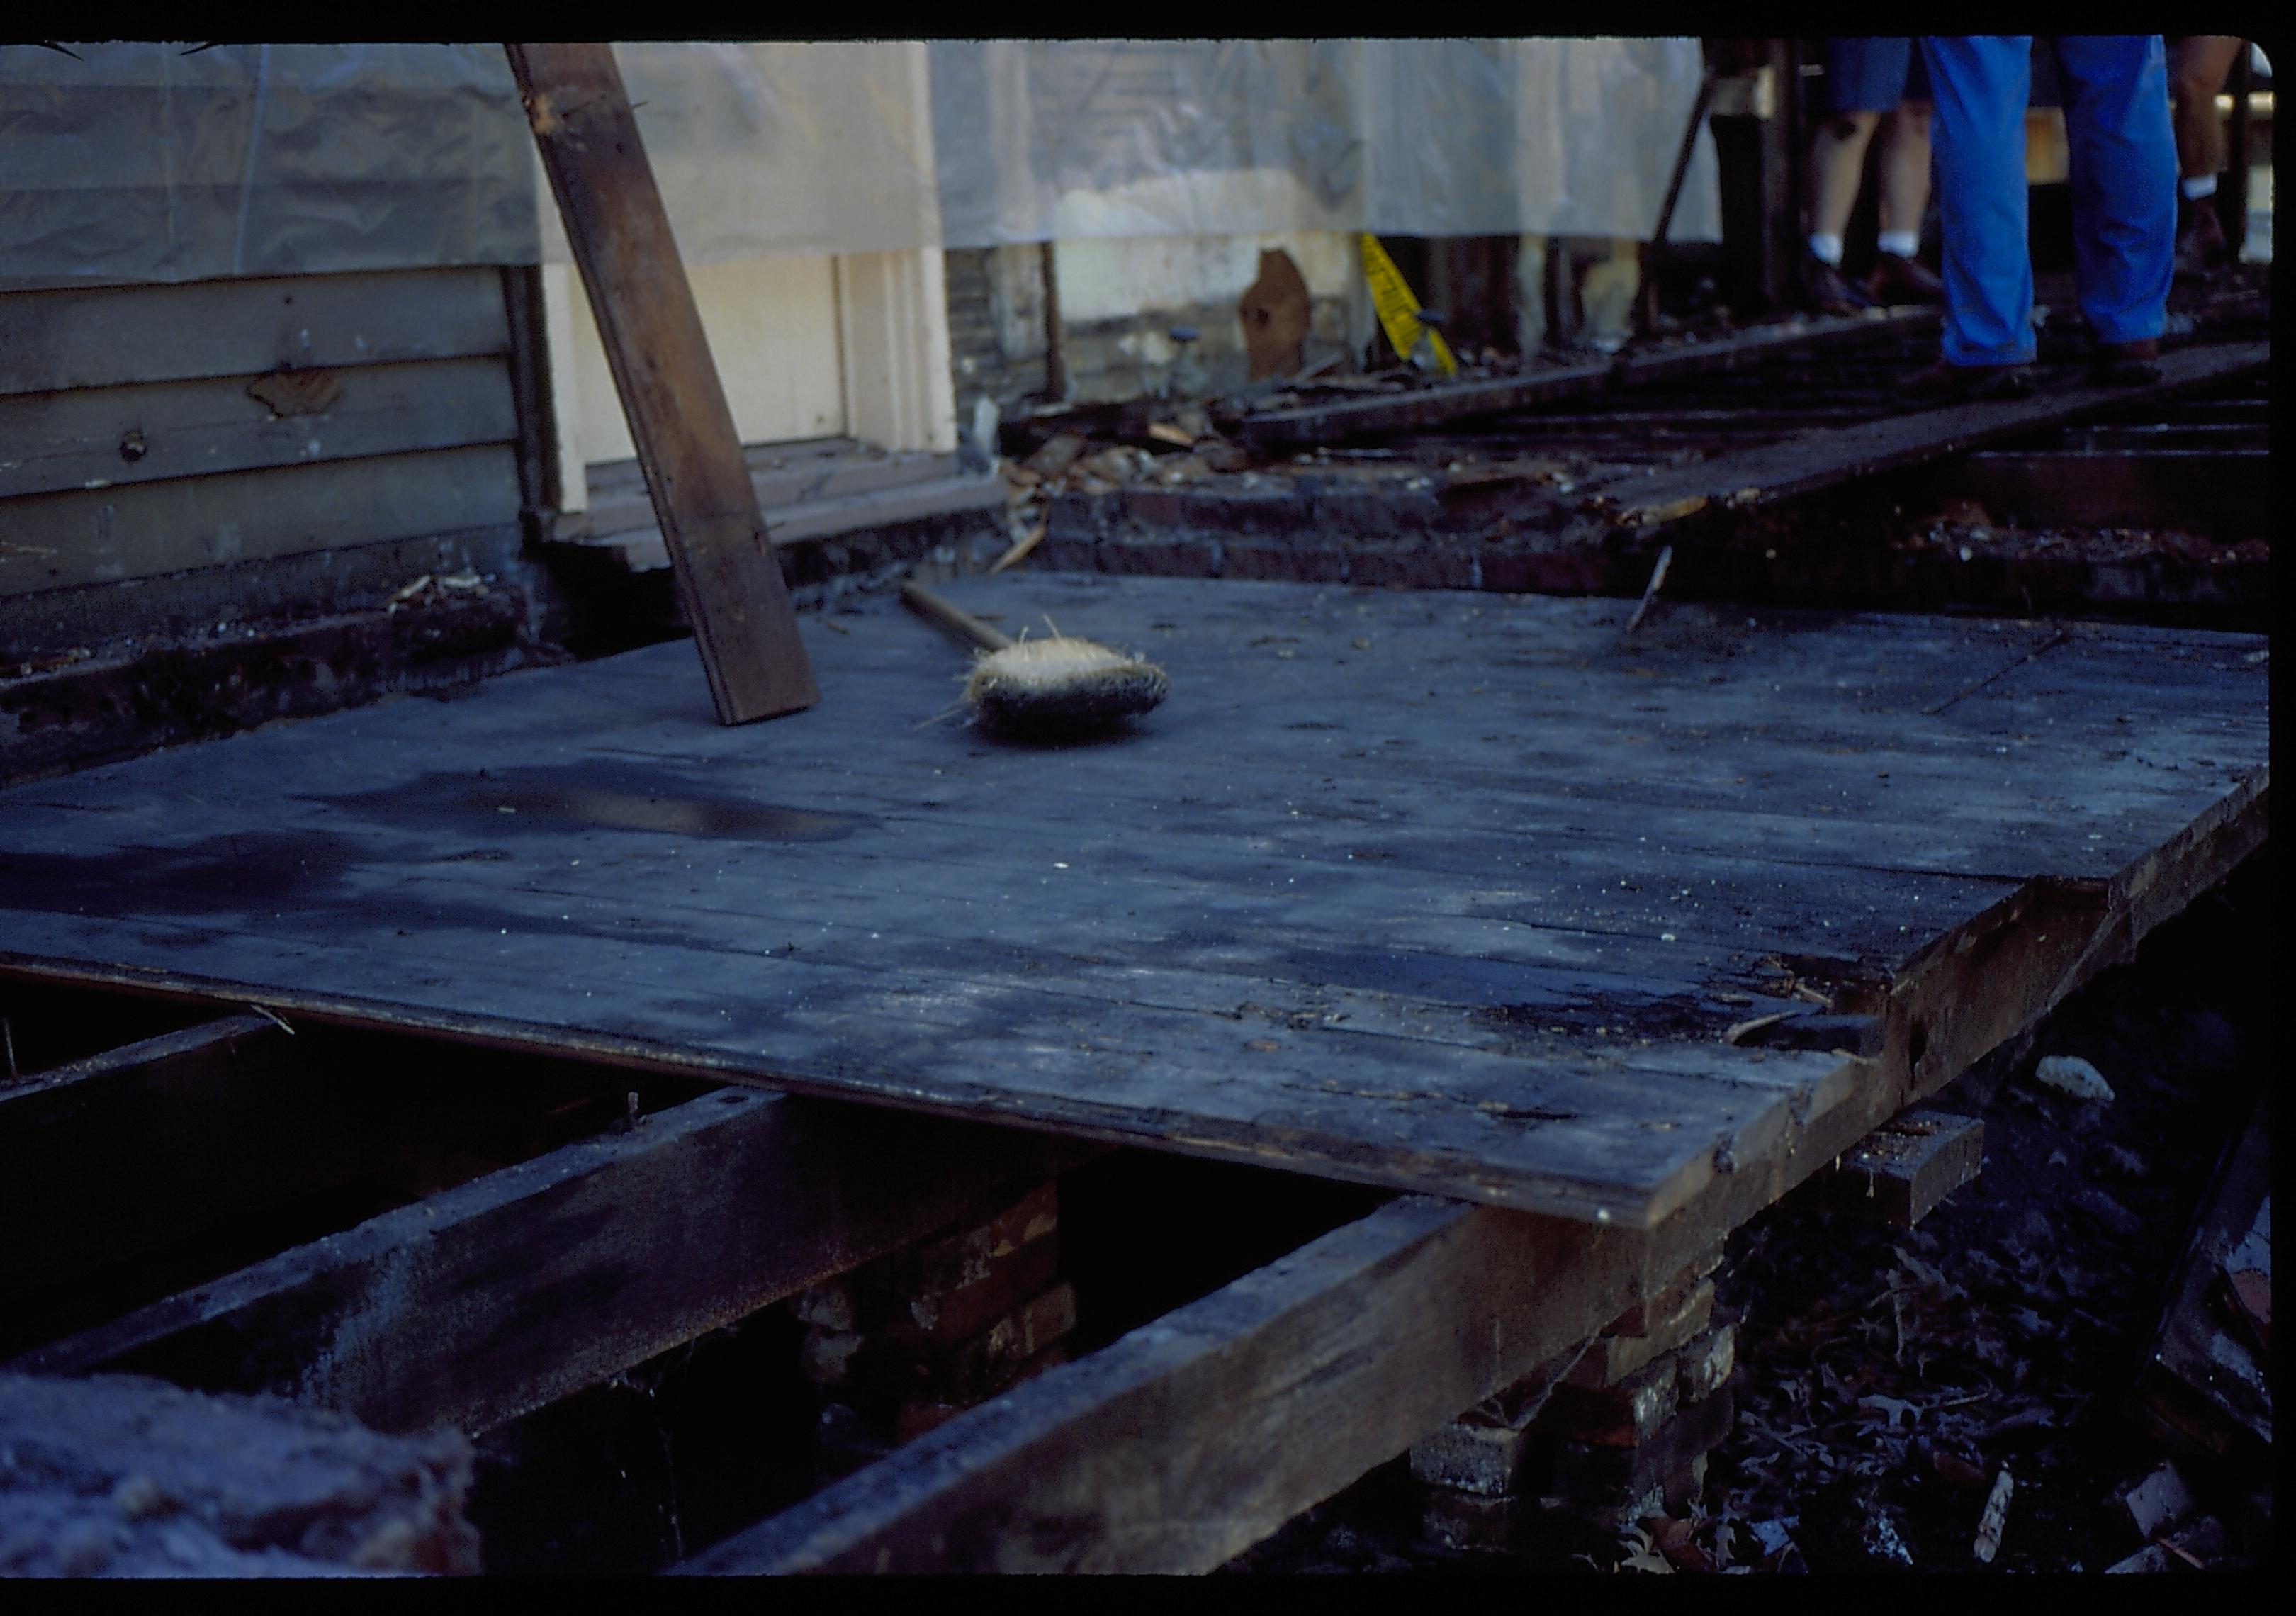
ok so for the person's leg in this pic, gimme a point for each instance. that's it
(2197, 67)
(2123, 157)
(2202, 62)
(1905, 184)
(1980, 86)
(1864, 79)
(1837, 163)
(1906, 173)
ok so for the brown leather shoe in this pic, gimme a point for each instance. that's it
(1827, 292)
(1897, 280)
(2126, 363)
(2201, 243)
(1944, 383)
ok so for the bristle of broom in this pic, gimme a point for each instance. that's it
(1060, 686)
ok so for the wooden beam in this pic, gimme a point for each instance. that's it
(134, 1150)
(1902, 1169)
(1425, 407)
(1775, 472)
(728, 580)
(1197, 1435)
(495, 1297)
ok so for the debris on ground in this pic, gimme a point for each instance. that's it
(2068, 1074)
(122, 1476)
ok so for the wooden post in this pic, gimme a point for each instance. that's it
(2232, 197)
(727, 577)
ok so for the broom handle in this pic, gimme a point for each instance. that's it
(963, 624)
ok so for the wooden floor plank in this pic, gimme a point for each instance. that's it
(1308, 912)
(1185, 1442)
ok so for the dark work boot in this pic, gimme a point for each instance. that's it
(2126, 363)
(1944, 383)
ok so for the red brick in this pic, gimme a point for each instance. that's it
(954, 1314)
(966, 1257)
(1625, 1416)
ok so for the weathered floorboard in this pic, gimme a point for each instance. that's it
(1453, 893)
(728, 579)
(1187, 1440)
(495, 1297)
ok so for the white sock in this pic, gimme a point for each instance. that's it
(1899, 243)
(1826, 248)
(2195, 189)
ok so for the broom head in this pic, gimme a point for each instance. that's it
(1060, 686)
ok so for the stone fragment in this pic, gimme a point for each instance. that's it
(2070, 1074)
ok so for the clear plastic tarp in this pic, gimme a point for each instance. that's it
(1411, 137)
(127, 162)
(159, 162)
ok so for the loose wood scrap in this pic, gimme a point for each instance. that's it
(1900, 1171)
(728, 580)
(2203, 1390)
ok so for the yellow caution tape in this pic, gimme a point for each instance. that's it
(1398, 307)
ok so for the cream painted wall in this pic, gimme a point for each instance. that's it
(774, 330)
(1110, 280)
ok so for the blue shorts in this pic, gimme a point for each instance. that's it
(1873, 75)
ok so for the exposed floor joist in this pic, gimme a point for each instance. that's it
(491, 1298)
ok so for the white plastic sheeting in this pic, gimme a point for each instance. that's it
(159, 162)
(1038, 139)
(142, 162)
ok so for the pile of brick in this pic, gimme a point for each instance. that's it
(915, 1337)
(1612, 1432)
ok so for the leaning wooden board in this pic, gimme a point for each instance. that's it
(1450, 893)
(727, 578)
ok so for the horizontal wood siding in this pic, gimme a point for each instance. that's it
(113, 336)
(51, 541)
(134, 443)
(71, 440)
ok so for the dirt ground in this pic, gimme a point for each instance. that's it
(1887, 1377)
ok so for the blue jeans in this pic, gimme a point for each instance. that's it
(2123, 157)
